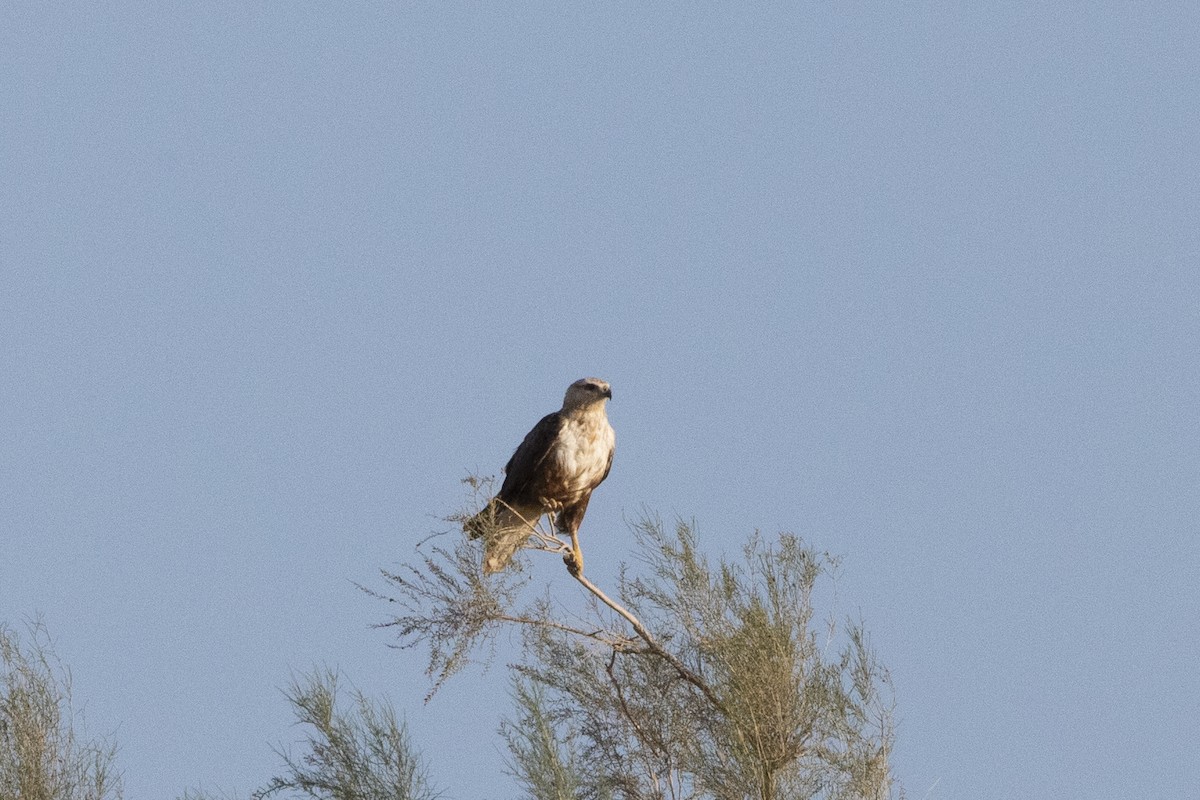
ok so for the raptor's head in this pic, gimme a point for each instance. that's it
(587, 391)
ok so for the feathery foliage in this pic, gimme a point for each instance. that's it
(546, 766)
(699, 681)
(42, 757)
(359, 754)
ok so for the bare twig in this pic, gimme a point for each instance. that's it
(619, 644)
(653, 742)
(651, 643)
(546, 541)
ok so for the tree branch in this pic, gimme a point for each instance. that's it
(548, 542)
(619, 645)
(651, 643)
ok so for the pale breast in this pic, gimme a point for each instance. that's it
(583, 451)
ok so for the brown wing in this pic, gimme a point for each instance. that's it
(527, 476)
(607, 467)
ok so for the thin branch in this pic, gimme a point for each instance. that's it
(616, 684)
(548, 542)
(651, 643)
(618, 644)
(653, 742)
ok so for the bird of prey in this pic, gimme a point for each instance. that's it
(553, 471)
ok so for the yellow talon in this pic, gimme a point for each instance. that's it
(574, 559)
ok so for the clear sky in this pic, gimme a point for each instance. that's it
(918, 282)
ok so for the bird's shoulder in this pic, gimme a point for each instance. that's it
(537, 443)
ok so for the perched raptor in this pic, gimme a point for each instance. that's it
(553, 471)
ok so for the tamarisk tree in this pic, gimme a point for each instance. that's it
(695, 679)
(43, 753)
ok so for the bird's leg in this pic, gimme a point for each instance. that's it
(574, 559)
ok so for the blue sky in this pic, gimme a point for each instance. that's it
(919, 282)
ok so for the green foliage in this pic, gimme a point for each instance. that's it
(447, 604)
(42, 757)
(363, 753)
(700, 681)
(780, 717)
(546, 767)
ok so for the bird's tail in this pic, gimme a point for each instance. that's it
(503, 528)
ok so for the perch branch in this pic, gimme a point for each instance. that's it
(651, 643)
